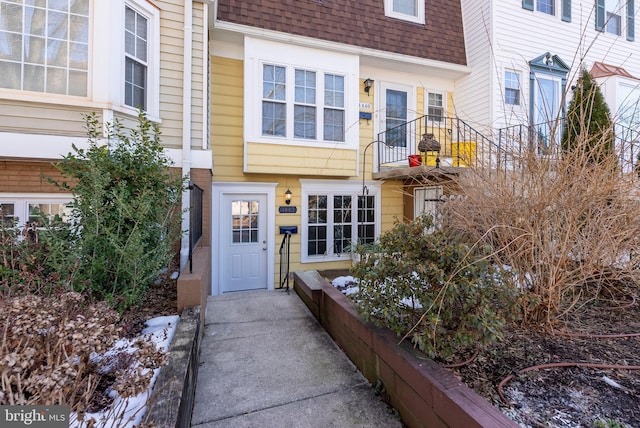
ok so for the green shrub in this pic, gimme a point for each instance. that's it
(588, 127)
(439, 292)
(124, 211)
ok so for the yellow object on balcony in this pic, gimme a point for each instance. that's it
(464, 153)
(429, 158)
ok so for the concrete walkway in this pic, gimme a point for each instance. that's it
(266, 362)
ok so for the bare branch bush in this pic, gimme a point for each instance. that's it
(566, 225)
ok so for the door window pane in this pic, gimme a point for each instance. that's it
(396, 118)
(244, 221)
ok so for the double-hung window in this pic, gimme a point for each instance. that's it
(408, 10)
(549, 7)
(336, 217)
(545, 6)
(44, 46)
(511, 88)
(136, 57)
(274, 107)
(314, 104)
(610, 15)
(435, 106)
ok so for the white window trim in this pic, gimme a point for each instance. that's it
(21, 202)
(504, 86)
(106, 62)
(444, 101)
(354, 188)
(152, 88)
(419, 19)
(261, 52)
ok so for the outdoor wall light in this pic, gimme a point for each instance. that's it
(368, 83)
(287, 197)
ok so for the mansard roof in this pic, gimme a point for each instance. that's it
(359, 23)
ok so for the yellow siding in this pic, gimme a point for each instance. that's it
(300, 160)
(226, 118)
(420, 102)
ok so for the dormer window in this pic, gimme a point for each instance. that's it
(408, 10)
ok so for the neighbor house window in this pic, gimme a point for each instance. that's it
(409, 10)
(545, 6)
(511, 88)
(136, 59)
(336, 218)
(44, 46)
(300, 107)
(548, 7)
(610, 15)
(435, 106)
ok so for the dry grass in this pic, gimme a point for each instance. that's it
(568, 227)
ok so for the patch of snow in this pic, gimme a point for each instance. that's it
(612, 382)
(128, 412)
(343, 281)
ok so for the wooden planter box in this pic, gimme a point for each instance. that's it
(425, 394)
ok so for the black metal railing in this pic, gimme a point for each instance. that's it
(195, 219)
(544, 139)
(458, 144)
(285, 250)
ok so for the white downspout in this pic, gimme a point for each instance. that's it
(186, 128)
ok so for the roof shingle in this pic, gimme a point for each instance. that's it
(362, 23)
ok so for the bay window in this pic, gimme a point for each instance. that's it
(335, 217)
(300, 106)
(300, 96)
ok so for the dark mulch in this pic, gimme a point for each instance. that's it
(565, 396)
(160, 299)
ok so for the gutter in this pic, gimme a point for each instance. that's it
(186, 127)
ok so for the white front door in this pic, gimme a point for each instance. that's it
(244, 249)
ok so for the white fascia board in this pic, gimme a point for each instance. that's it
(200, 159)
(36, 146)
(375, 54)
